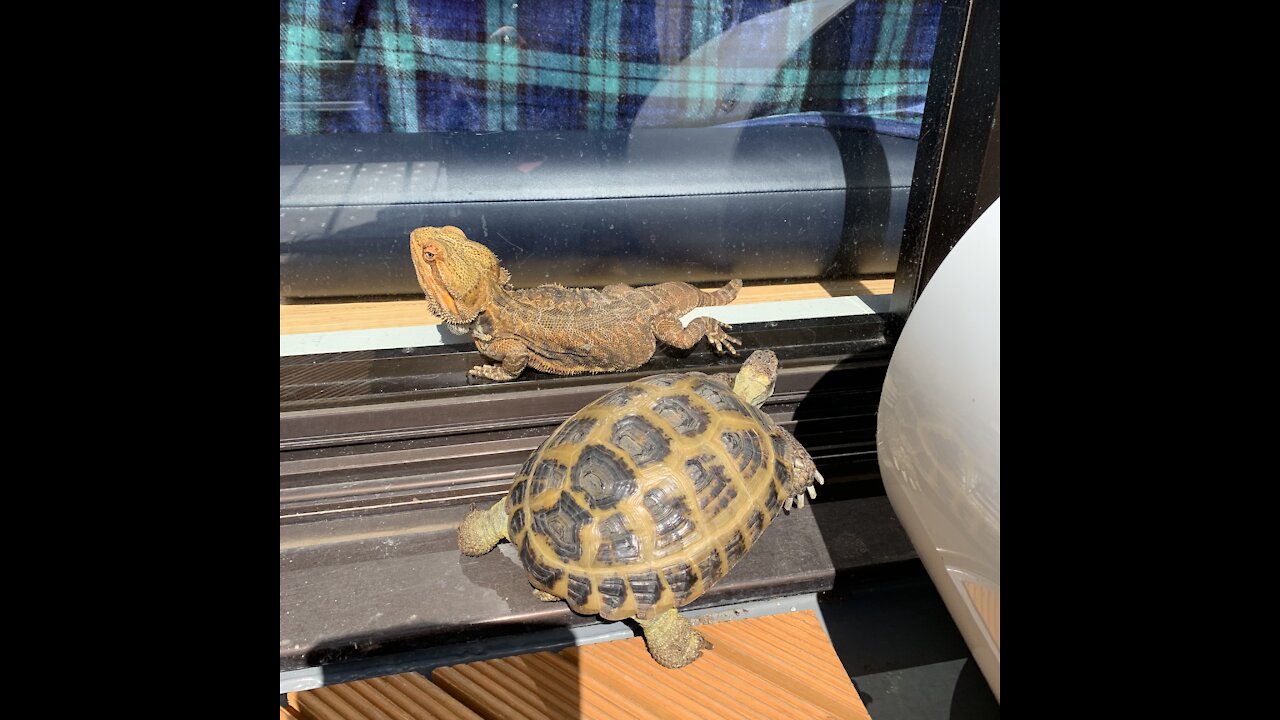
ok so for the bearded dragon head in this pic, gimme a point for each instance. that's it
(460, 277)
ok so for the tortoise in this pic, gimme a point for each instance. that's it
(641, 501)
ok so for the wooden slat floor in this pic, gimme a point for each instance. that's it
(333, 316)
(776, 666)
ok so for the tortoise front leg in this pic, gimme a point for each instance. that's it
(671, 639)
(514, 356)
(803, 473)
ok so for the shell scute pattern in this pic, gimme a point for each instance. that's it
(673, 522)
(710, 480)
(602, 476)
(775, 499)
(613, 591)
(779, 445)
(680, 578)
(755, 526)
(646, 588)
(684, 417)
(579, 589)
(547, 475)
(664, 381)
(561, 525)
(736, 547)
(648, 496)
(543, 574)
(643, 442)
(575, 430)
(515, 523)
(515, 496)
(744, 447)
(620, 397)
(711, 568)
(719, 396)
(618, 545)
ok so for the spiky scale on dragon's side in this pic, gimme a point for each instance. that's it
(559, 330)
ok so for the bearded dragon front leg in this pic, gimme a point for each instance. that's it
(514, 356)
(670, 331)
(474, 329)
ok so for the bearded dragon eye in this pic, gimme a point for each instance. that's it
(429, 255)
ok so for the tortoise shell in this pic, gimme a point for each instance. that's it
(645, 498)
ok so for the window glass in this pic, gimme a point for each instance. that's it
(591, 144)
(374, 66)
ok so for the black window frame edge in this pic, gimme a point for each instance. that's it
(957, 171)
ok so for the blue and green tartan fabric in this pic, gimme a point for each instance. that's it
(374, 66)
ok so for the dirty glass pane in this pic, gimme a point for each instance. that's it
(591, 144)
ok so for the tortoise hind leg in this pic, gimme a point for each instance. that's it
(481, 530)
(671, 639)
(544, 596)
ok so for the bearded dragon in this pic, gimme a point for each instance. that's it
(559, 330)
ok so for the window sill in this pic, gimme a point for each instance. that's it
(372, 491)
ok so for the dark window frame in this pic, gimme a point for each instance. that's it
(957, 172)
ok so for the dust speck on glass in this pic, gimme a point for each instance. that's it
(593, 144)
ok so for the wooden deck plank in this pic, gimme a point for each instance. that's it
(776, 666)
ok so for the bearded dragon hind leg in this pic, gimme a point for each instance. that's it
(723, 341)
(670, 331)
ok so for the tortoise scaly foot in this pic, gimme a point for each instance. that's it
(671, 639)
(544, 596)
(481, 530)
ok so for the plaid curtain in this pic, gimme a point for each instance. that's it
(373, 66)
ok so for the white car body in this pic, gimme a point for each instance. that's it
(938, 436)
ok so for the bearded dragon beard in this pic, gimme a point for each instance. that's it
(439, 299)
(444, 300)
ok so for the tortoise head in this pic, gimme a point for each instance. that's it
(460, 277)
(756, 378)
